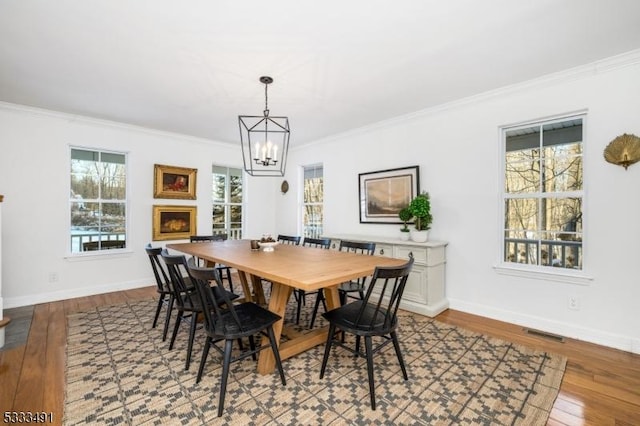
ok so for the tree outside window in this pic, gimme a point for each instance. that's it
(227, 201)
(97, 200)
(543, 194)
(313, 198)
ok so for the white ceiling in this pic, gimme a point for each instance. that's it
(192, 67)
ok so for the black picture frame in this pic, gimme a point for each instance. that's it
(383, 193)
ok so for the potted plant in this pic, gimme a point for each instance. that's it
(405, 216)
(420, 208)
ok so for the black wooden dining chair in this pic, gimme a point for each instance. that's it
(186, 299)
(346, 290)
(163, 288)
(300, 295)
(288, 239)
(374, 315)
(235, 321)
(221, 268)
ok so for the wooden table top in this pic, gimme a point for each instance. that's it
(296, 266)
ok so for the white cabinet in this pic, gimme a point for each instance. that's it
(425, 291)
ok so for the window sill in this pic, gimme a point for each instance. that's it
(98, 254)
(555, 274)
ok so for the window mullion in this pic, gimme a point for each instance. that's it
(552, 191)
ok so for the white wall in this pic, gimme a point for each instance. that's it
(457, 148)
(34, 178)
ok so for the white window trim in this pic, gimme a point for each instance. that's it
(302, 204)
(541, 273)
(570, 276)
(89, 255)
(227, 195)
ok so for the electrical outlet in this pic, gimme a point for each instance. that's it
(53, 277)
(574, 303)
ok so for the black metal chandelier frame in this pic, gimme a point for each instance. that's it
(264, 140)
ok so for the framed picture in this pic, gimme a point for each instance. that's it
(384, 193)
(174, 222)
(174, 182)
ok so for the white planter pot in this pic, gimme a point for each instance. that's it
(419, 236)
(404, 236)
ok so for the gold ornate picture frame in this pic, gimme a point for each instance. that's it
(174, 182)
(174, 222)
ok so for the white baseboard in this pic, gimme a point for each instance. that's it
(616, 341)
(34, 299)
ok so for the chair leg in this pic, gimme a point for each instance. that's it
(316, 306)
(203, 359)
(396, 345)
(167, 318)
(252, 346)
(175, 329)
(369, 349)
(327, 349)
(160, 303)
(276, 354)
(228, 347)
(300, 296)
(192, 336)
(229, 279)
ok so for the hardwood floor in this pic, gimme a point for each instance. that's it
(601, 386)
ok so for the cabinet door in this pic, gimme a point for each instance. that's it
(415, 289)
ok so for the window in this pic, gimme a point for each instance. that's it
(312, 210)
(227, 202)
(98, 200)
(543, 193)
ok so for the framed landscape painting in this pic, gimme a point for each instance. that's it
(174, 222)
(174, 182)
(384, 193)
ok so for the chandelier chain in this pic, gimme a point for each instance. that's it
(266, 104)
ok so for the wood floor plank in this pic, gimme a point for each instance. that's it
(10, 367)
(55, 357)
(30, 390)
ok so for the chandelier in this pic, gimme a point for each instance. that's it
(264, 140)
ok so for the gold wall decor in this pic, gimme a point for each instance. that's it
(623, 150)
(284, 187)
(174, 182)
(174, 222)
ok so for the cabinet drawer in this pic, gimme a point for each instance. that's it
(384, 250)
(419, 254)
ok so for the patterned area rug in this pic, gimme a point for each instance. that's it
(120, 372)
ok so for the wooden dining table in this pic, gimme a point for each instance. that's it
(287, 267)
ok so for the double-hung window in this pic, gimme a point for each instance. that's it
(98, 200)
(312, 201)
(543, 193)
(227, 201)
